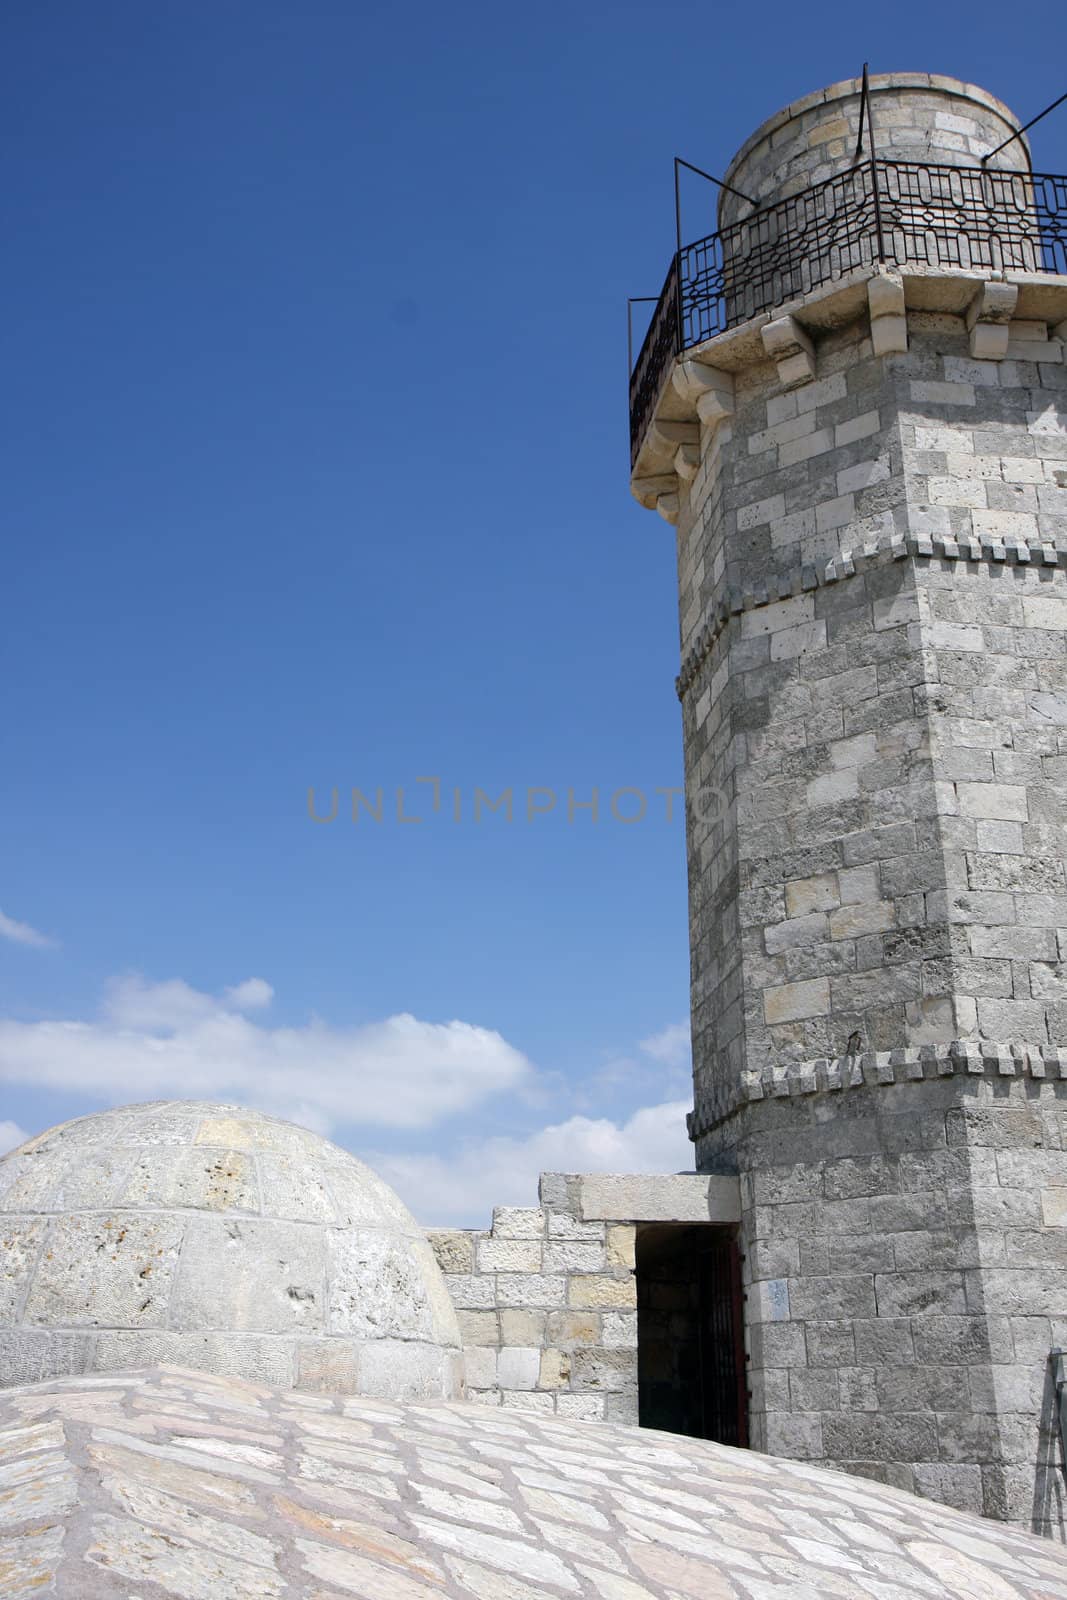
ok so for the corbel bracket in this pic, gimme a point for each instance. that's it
(790, 347)
(988, 318)
(889, 322)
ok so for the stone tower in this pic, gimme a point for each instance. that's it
(853, 404)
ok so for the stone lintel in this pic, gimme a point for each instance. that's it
(654, 1197)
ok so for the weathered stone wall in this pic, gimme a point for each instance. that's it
(546, 1298)
(887, 738)
(874, 682)
(905, 1237)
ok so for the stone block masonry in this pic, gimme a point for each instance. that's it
(905, 1239)
(872, 557)
(547, 1297)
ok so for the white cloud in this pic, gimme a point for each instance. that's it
(11, 1136)
(461, 1189)
(671, 1045)
(22, 933)
(169, 1040)
(252, 995)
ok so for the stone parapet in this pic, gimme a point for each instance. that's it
(547, 1297)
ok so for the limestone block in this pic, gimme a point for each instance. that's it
(669, 506)
(885, 295)
(555, 1369)
(382, 1287)
(518, 1222)
(679, 1197)
(989, 341)
(647, 490)
(768, 1300)
(619, 1330)
(570, 1328)
(453, 1249)
(522, 1327)
(328, 1366)
(889, 323)
(614, 1370)
(669, 435)
(402, 1369)
(518, 1367)
(581, 1407)
(708, 388)
(988, 318)
(791, 1002)
(258, 1358)
(596, 1291)
(574, 1256)
(110, 1270)
(20, 1242)
(479, 1327)
(509, 1255)
(536, 1289)
(1054, 1207)
(210, 1180)
(791, 348)
(889, 335)
(479, 1363)
(687, 461)
(621, 1244)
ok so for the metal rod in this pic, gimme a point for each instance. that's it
(1059, 1383)
(679, 320)
(1023, 129)
(875, 192)
(864, 112)
(677, 207)
(718, 182)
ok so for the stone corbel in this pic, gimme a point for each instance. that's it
(708, 388)
(650, 491)
(889, 322)
(683, 439)
(787, 344)
(668, 506)
(988, 316)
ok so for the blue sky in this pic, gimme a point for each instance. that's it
(315, 473)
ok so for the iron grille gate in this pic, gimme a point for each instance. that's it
(724, 1395)
(898, 212)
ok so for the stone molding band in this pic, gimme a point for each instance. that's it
(846, 564)
(983, 1058)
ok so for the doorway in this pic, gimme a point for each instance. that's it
(690, 1340)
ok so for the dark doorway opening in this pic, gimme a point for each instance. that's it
(690, 1340)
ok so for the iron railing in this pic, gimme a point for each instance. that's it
(902, 213)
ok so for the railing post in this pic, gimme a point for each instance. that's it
(879, 235)
(679, 323)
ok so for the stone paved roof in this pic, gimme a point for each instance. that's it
(164, 1483)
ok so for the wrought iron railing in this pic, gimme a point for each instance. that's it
(898, 212)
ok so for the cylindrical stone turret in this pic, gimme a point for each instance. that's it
(916, 116)
(830, 195)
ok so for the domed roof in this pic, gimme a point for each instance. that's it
(177, 1483)
(220, 1238)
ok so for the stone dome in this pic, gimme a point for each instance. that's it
(219, 1238)
(170, 1483)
